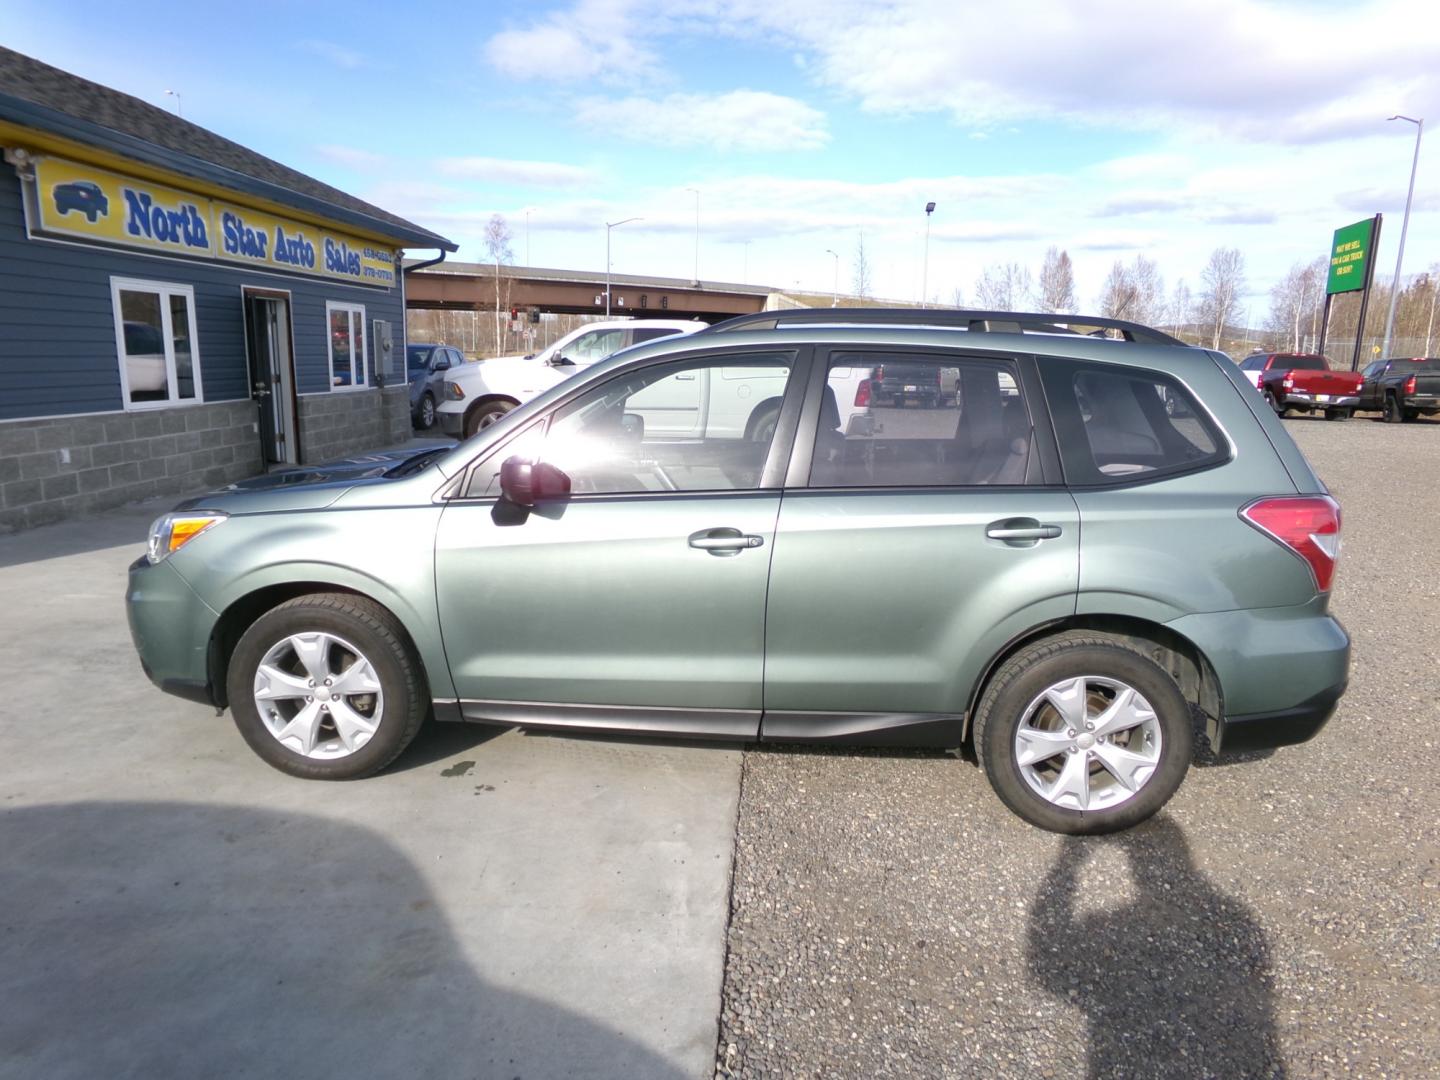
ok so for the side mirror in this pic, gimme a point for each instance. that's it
(561, 361)
(525, 481)
(632, 426)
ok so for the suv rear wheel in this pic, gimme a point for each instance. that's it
(1081, 734)
(325, 687)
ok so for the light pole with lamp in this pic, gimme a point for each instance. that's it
(528, 211)
(608, 226)
(925, 271)
(176, 95)
(696, 192)
(835, 288)
(1404, 224)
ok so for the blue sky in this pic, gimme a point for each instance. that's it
(1116, 128)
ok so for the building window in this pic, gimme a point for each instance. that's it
(155, 339)
(347, 345)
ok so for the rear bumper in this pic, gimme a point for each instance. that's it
(1281, 671)
(1313, 400)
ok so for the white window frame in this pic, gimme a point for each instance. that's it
(356, 312)
(165, 290)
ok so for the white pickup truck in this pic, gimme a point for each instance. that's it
(476, 395)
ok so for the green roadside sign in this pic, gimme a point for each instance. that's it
(1350, 257)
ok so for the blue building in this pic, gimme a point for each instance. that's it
(177, 311)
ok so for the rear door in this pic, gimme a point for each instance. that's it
(911, 548)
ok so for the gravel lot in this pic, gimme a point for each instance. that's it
(891, 918)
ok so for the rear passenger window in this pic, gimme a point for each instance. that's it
(908, 420)
(1120, 425)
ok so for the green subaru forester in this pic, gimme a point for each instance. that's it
(1095, 541)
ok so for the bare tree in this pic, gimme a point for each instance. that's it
(860, 282)
(1004, 287)
(1117, 294)
(1223, 280)
(1293, 304)
(1057, 282)
(957, 298)
(497, 246)
(1180, 307)
(1149, 305)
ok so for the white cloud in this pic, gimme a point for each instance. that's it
(546, 174)
(1282, 71)
(737, 120)
(353, 157)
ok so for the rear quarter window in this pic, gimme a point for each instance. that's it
(1126, 425)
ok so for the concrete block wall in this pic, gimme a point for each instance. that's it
(347, 422)
(55, 469)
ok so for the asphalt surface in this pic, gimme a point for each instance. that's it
(493, 905)
(1280, 918)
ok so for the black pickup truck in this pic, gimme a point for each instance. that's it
(1402, 388)
(899, 383)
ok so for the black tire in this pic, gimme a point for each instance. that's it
(372, 630)
(482, 416)
(1339, 414)
(761, 425)
(1274, 405)
(1390, 410)
(425, 414)
(1409, 416)
(1026, 675)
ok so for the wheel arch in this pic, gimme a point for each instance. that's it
(1176, 654)
(242, 613)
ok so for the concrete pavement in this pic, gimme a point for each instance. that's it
(494, 905)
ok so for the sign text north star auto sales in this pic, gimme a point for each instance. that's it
(92, 203)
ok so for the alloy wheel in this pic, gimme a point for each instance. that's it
(1088, 743)
(318, 695)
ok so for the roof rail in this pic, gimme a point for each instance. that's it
(1007, 322)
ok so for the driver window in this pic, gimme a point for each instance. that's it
(697, 425)
(594, 346)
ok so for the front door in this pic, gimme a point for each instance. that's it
(923, 543)
(272, 374)
(638, 602)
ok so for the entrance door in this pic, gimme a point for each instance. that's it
(272, 373)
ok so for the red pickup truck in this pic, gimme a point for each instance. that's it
(1303, 381)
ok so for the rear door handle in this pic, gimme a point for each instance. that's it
(724, 541)
(1005, 530)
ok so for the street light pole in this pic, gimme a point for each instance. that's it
(608, 226)
(1404, 224)
(835, 289)
(925, 272)
(696, 192)
(180, 112)
(527, 234)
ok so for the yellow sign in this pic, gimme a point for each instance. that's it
(95, 204)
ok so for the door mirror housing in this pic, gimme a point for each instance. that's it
(561, 361)
(525, 481)
(632, 425)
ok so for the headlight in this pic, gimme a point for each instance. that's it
(453, 391)
(173, 531)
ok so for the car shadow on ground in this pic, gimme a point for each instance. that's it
(189, 939)
(1173, 982)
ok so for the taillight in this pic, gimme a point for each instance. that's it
(1288, 381)
(862, 393)
(1308, 525)
(1410, 385)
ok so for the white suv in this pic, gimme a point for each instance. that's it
(476, 395)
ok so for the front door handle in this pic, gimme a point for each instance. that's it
(724, 541)
(1018, 530)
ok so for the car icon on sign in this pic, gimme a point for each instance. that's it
(83, 196)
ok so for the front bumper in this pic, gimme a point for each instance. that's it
(452, 423)
(1281, 671)
(171, 628)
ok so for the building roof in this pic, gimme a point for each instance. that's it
(37, 95)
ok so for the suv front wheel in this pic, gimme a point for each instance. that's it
(1080, 734)
(325, 687)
